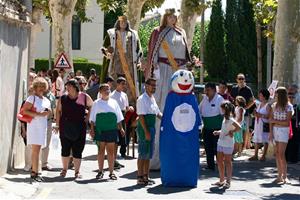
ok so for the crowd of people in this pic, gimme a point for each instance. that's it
(110, 111)
(226, 116)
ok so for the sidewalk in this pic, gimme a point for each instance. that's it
(251, 181)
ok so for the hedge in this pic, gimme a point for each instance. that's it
(79, 64)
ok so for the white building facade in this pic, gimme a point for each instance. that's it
(87, 38)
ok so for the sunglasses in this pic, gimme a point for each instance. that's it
(241, 79)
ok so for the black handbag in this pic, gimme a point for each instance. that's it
(266, 127)
(72, 130)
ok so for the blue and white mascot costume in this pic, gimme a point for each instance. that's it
(179, 136)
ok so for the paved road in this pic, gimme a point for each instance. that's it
(252, 180)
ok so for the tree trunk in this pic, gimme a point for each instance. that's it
(259, 55)
(269, 56)
(287, 43)
(133, 13)
(202, 45)
(35, 29)
(187, 21)
(61, 13)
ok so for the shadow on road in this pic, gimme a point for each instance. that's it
(160, 189)
(93, 180)
(131, 188)
(284, 196)
(20, 180)
(133, 175)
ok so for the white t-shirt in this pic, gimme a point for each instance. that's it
(146, 105)
(224, 139)
(237, 111)
(121, 98)
(37, 128)
(211, 108)
(101, 106)
(60, 87)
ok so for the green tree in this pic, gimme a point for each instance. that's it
(195, 50)
(232, 38)
(247, 54)
(214, 51)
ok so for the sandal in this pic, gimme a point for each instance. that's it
(100, 175)
(219, 184)
(36, 177)
(112, 176)
(63, 173)
(147, 180)
(78, 175)
(141, 181)
(226, 185)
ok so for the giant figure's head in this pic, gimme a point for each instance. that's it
(182, 81)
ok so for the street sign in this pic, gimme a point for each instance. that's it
(272, 88)
(62, 62)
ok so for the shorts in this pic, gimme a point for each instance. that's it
(238, 136)
(76, 147)
(281, 134)
(248, 121)
(108, 136)
(225, 150)
(146, 148)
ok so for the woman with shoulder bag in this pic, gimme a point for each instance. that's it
(262, 127)
(38, 107)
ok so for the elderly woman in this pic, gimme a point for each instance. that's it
(38, 107)
(70, 119)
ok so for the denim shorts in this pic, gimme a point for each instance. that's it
(146, 148)
(225, 150)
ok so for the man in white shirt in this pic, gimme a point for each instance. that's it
(121, 97)
(212, 117)
(147, 110)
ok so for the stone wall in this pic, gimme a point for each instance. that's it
(14, 42)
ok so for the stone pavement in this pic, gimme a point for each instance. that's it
(251, 180)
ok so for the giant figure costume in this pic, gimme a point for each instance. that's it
(167, 50)
(131, 48)
(179, 136)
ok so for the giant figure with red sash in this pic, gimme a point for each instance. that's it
(167, 52)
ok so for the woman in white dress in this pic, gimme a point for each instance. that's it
(37, 128)
(261, 127)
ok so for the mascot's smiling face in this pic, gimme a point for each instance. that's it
(182, 81)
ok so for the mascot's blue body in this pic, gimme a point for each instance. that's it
(179, 136)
